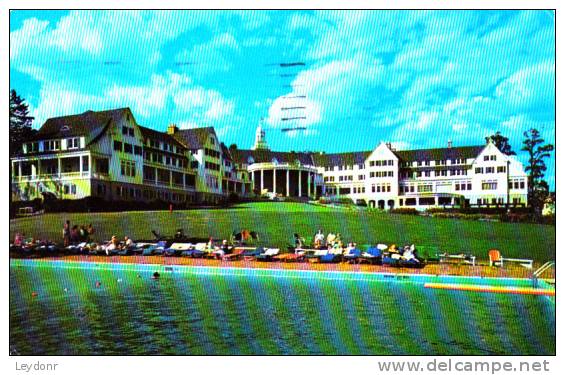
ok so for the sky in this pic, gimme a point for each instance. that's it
(344, 80)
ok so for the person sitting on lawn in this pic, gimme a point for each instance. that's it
(128, 243)
(298, 241)
(409, 255)
(330, 240)
(223, 250)
(18, 240)
(319, 239)
(113, 245)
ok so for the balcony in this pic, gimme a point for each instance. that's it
(52, 176)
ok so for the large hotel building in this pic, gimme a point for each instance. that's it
(108, 155)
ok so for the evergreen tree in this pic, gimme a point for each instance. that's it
(501, 142)
(20, 122)
(537, 150)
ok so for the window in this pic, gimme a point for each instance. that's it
(522, 185)
(131, 132)
(85, 164)
(469, 186)
(73, 143)
(361, 177)
(489, 185)
(478, 170)
(486, 158)
(33, 147)
(424, 188)
(493, 157)
(212, 141)
(427, 173)
(137, 150)
(102, 166)
(128, 148)
(52, 145)
(117, 146)
(456, 186)
(489, 170)
(127, 168)
(501, 169)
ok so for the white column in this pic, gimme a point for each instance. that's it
(80, 165)
(170, 178)
(274, 180)
(156, 179)
(261, 192)
(89, 165)
(184, 180)
(288, 182)
(20, 170)
(38, 167)
(309, 178)
(59, 167)
(299, 183)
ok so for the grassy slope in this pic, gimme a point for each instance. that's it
(276, 222)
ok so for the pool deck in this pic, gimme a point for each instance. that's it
(447, 269)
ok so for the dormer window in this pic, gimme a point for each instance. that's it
(250, 160)
(53, 145)
(275, 161)
(73, 143)
(65, 128)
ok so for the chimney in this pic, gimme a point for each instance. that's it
(449, 144)
(388, 145)
(172, 129)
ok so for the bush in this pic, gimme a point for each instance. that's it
(405, 211)
(233, 197)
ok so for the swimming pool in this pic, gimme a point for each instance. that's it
(56, 307)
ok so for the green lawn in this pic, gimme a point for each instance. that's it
(277, 221)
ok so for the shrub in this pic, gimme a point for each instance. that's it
(405, 211)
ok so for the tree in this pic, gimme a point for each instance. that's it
(20, 122)
(501, 142)
(537, 150)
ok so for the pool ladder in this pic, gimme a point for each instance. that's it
(537, 273)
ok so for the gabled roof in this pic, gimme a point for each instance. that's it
(162, 136)
(89, 124)
(226, 152)
(464, 152)
(195, 138)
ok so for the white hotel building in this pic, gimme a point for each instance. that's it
(108, 155)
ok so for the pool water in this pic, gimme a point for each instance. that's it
(56, 308)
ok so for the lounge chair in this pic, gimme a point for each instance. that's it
(461, 258)
(352, 256)
(252, 253)
(177, 248)
(235, 255)
(268, 254)
(314, 256)
(495, 258)
(290, 257)
(330, 258)
(373, 255)
(158, 249)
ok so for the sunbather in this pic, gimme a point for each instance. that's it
(223, 250)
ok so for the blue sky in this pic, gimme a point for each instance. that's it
(413, 78)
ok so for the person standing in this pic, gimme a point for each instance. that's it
(67, 233)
